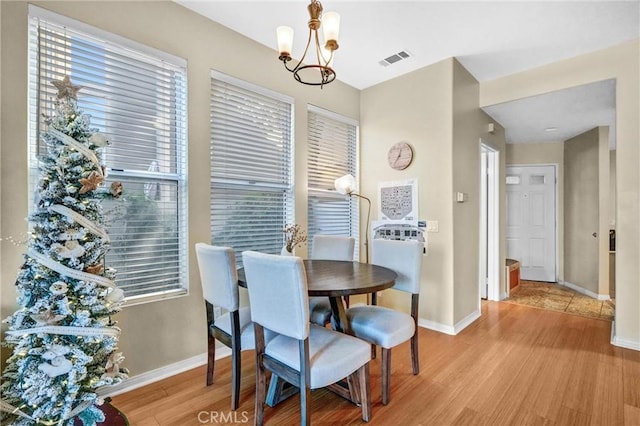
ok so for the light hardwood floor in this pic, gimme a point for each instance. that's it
(515, 365)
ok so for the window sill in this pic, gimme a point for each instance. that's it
(154, 297)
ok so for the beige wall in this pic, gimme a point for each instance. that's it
(545, 153)
(436, 110)
(621, 63)
(604, 207)
(469, 126)
(416, 108)
(581, 210)
(468, 120)
(155, 334)
(535, 153)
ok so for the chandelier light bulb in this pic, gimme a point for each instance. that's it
(331, 29)
(285, 41)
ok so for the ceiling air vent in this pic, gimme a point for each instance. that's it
(395, 58)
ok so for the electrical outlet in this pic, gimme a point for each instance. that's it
(432, 226)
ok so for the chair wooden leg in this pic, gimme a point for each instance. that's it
(365, 392)
(386, 374)
(261, 377)
(374, 301)
(236, 360)
(261, 392)
(415, 360)
(236, 368)
(211, 343)
(305, 406)
(211, 358)
(415, 363)
(305, 381)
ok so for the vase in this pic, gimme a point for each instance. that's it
(285, 252)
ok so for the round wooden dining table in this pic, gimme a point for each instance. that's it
(336, 279)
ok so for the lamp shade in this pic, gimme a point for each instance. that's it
(345, 184)
(331, 26)
(285, 40)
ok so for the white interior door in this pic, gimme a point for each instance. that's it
(531, 221)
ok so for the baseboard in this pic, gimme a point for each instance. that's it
(436, 326)
(623, 343)
(447, 329)
(585, 291)
(466, 321)
(152, 376)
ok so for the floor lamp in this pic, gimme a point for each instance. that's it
(346, 185)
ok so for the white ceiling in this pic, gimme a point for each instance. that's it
(491, 40)
(560, 115)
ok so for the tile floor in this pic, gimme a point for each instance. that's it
(558, 298)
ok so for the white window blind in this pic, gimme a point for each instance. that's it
(333, 147)
(251, 166)
(137, 97)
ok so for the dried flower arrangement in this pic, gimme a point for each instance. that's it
(294, 236)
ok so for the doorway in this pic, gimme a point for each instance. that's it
(489, 267)
(531, 220)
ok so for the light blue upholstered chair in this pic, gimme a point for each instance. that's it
(219, 280)
(305, 355)
(328, 247)
(386, 327)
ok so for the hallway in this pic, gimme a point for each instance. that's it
(561, 299)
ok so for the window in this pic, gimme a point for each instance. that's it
(333, 146)
(251, 166)
(137, 97)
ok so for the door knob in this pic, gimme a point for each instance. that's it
(595, 235)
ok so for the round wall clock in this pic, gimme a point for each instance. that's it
(400, 156)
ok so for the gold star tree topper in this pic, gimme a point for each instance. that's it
(66, 89)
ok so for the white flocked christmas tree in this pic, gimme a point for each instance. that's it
(63, 338)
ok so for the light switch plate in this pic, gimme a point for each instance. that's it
(432, 226)
(461, 197)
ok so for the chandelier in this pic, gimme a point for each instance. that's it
(320, 72)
